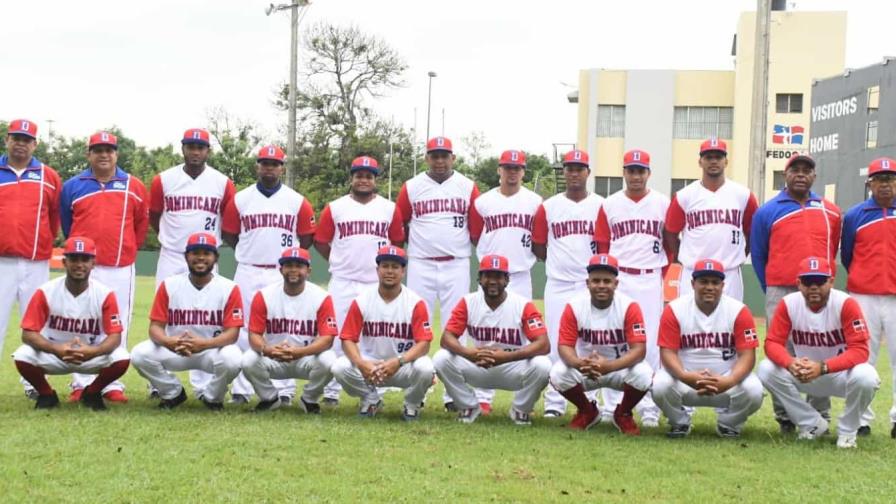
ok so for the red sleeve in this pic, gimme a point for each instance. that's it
(326, 318)
(475, 223)
(420, 326)
(230, 219)
(37, 313)
(745, 336)
(670, 331)
(635, 328)
(404, 203)
(836, 225)
(675, 218)
(568, 333)
(159, 311)
(156, 196)
(351, 327)
(778, 333)
(258, 315)
(473, 195)
(457, 324)
(141, 211)
(855, 331)
(53, 210)
(233, 310)
(326, 229)
(229, 194)
(752, 206)
(533, 323)
(602, 232)
(306, 224)
(540, 226)
(396, 228)
(111, 317)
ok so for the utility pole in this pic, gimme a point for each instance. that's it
(431, 74)
(759, 113)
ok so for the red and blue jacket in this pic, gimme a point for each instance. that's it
(867, 246)
(785, 232)
(29, 207)
(114, 214)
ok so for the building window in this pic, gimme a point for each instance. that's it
(873, 98)
(789, 103)
(611, 121)
(871, 135)
(702, 122)
(778, 180)
(680, 183)
(606, 186)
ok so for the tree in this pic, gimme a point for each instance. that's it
(237, 141)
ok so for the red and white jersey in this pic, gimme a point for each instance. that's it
(355, 231)
(189, 205)
(267, 225)
(437, 215)
(29, 204)
(296, 319)
(60, 316)
(713, 223)
(567, 227)
(503, 226)
(707, 341)
(608, 332)
(204, 312)
(386, 330)
(632, 230)
(512, 325)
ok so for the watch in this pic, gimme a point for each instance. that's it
(824, 367)
(401, 361)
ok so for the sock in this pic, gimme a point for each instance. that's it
(107, 375)
(630, 397)
(576, 395)
(36, 376)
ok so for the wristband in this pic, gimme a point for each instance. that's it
(824, 368)
(401, 361)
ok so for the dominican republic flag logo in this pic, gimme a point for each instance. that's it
(639, 330)
(858, 325)
(535, 323)
(331, 323)
(788, 134)
(114, 319)
(237, 313)
(750, 335)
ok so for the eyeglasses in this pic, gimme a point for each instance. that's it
(813, 281)
(884, 178)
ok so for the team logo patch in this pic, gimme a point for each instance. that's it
(496, 263)
(117, 185)
(440, 142)
(197, 135)
(885, 164)
(636, 156)
(79, 246)
(33, 176)
(331, 323)
(114, 319)
(858, 325)
(237, 313)
(577, 156)
(639, 330)
(201, 240)
(708, 266)
(813, 264)
(104, 137)
(515, 156)
(535, 323)
(26, 125)
(714, 142)
(750, 335)
(604, 260)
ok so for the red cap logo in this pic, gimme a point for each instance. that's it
(80, 245)
(493, 262)
(713, 145)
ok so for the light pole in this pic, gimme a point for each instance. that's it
(429, 104)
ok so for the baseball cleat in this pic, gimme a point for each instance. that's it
(238, 399)
(75, 396)
(47, 401)
(31, 394)
(786, 426)
(552, 413)
(410, 413)
(520, 418)
(331, 402)
(93, 401)
(486, 408)
(726, 432)
(469, 415)
(864, 431)
(449, 406)
(285, 401)
(308, 407)
(370, 410)
(679, 431)
(650, 422)
(271, 405)
(212, 405)
(814, 433)
(846, 441)
(584, 420)
(169, 404)
(116, 396)
(626, 423)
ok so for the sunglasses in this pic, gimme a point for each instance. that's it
(884, 177)
(813, 281)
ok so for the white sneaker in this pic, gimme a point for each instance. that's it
(650, 422)
(814, 433)
(519, 417)
(469, 415)
(846, 441)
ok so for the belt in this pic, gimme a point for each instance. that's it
(264, 266)
(440, 258)
(635, 271)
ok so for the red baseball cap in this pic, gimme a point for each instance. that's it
(814, 266)
(512, 158)
(297, 254)
(797, 157)
(603, 262)
(636, 157)
(882, 165)
(271, 153)
(714, 145)
(366, 163)
(204, 241)
(392, 253)
(438, 144)
(196, 136)
(103, 138)
(22, 127)
(708, 267)
(494, 262)
(79, 245)
(576, 156)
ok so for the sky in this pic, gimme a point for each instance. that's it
(155, 68)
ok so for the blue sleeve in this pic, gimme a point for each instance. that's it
(759, 238)
(65, 209)
(848, 237)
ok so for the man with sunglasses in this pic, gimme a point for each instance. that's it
(869, 237)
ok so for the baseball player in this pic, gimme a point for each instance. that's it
(264, 220)
(510, 346)
(829, 336)
(602, 344)
(866, 251)
(707, 348)
(630, 228)
(186, 199)
(713, 217)
(111, 207)
(385, 341)
(72, 325)
(795, 224)
(29, 203)
(562, 236)
(194, 324)
(291, 330)
(351, 230)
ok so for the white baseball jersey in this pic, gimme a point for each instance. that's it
(355, 231)
(567, 227)
(707, 341)
(189, 205)
(437, 215)
(386, 330)
(712, 223)
(61, 317)
(512, 325)
(296, 319)
(204, 312)
(503, 225)
(607, 332)
(267, 225)
(634, 229)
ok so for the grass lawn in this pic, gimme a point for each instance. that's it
(135, 453)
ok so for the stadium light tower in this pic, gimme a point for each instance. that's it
(431, 74)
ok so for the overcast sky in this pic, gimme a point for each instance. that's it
(156, 67)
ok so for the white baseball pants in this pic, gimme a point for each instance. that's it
(343, 291)
(521, 283)
(734, 282)
(639, 376)
(733, 406)
(155, 363)
(315, 368)
(880, 315)
(556, 294)
(19, 278)
(53, 365)
(415, 378)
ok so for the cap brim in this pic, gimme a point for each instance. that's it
(394, 258)
(374, 171)
(258, 160)
(440, 149)
(576, 163)
(187, 141)
(720, 151)
(804, 159)
(301, 260)
(210, 248)
(86, 254)
(636, 165)
(22, 133)
(488, 270)
(114, 146)
(605, 267)
(701, 274)
(814, 274)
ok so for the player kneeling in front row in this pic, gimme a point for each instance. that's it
(194, 324)
(830, 342)
(602, 343)
(291, 330)
(497, 320)
(708, 348)
(72, 325)
(385, 339)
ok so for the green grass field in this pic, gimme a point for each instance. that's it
(135, 453)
